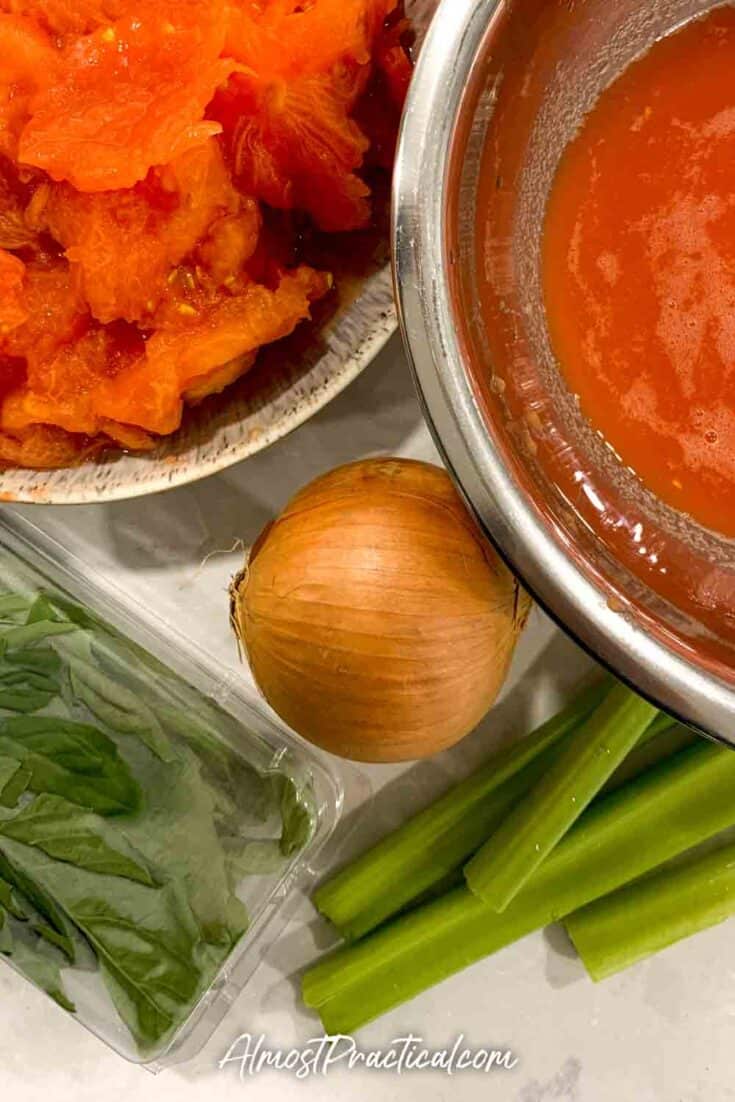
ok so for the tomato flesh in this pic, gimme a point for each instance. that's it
(146, 148)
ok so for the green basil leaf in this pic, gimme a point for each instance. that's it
(119, 708)
(68, 833)
(144, 938)
(297, 813)
(11, 902)
(27, 634)
(74, 612)
(15, 787)
(52, 734)
(50, 935)
(73, 760)
(21, 909)
(43, 902)
(8, 768)
(41, 611)
(178, 808)
(6, 936)
(29, 956)
(41, 659)
(12, 679)
(13, 603)
(28, 685)
(26, 701)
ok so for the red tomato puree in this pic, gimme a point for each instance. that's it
(639, 268)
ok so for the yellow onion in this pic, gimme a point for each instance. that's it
(378, 622)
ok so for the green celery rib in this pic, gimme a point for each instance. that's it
(641, 919)
(525, 838)
(442, 859)
(666, 741)
(411, 876)
(453, 848)
(668, 810)
(434, 843)
(661, 723)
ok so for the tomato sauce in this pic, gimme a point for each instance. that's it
(639, 268)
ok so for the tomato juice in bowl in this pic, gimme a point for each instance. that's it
(642, 577)
(639, 268)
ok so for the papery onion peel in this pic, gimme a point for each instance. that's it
(378, 621)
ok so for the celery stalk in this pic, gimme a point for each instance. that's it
(641, 919)
(419, 866)
(435, 842)
(663, 813)
(500, 869)
(442, 859)
(440, 869)
(666, 742)
(661, 723)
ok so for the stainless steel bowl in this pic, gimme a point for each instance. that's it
(500, 88)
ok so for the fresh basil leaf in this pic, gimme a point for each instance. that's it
(41, 659)
(6, 936)
(28, 684)
(73, 760)
(118, 708)
(11, 902)
(74, 612)
(297, 813)
(21, 908)
(14, 678)
(248, 794)
(144, 943)
(28, 955)
(25, 701)
(72, 742)
(26, 635)
(41, 900)
(214, 755)
(241, 794)
(51, 936)
(175, 833)
(15, 786)
(8, 768)
(13, 603)
(41, 611)
(69, 833)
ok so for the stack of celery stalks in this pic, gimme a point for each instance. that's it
(598, 819)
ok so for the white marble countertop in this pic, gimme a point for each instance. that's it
(661, 1032)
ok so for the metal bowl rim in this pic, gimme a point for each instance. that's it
(421, 273)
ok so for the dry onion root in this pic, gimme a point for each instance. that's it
(378, 622)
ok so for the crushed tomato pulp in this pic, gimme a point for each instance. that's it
(158, 160)
(639, 268)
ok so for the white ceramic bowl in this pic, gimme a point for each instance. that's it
(290, 383)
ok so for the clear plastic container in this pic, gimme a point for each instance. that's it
(172, 678)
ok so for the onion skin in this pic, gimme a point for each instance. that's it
(378, 622)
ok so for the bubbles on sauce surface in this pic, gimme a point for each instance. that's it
(639, 268)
